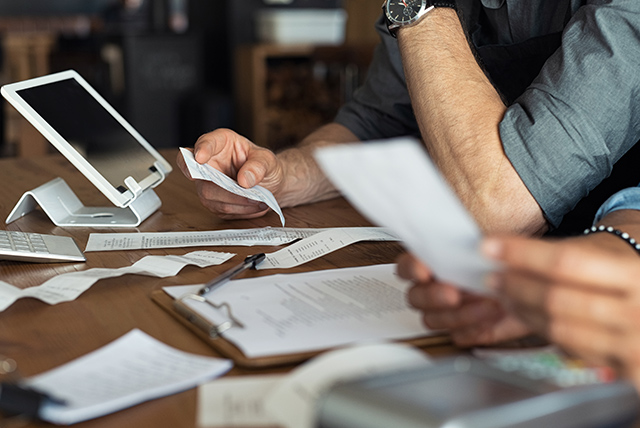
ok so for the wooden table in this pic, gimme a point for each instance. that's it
(40, 337)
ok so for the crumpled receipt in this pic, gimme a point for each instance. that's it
(68, 286)
(208, 173)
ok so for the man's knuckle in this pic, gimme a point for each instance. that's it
(563, 263)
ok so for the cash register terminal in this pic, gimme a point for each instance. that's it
(465, 392)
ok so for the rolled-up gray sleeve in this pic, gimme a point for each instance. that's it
(582, 112)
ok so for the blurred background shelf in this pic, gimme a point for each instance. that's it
(179, 68)
(283, 92)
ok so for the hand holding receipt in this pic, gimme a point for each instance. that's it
(208, 173)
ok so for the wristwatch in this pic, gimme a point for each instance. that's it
(402, 13)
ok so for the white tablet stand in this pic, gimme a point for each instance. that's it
(64, 208)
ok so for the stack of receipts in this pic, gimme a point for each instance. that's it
(396, 185)
(128, 371)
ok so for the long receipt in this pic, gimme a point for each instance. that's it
(229, 237)
(396, 185)
(321, 244)
(128, 371)
(68, 286)
(208, 173)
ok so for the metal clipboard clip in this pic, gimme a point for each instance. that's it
(212, 329)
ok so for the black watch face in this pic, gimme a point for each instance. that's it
(404, 11)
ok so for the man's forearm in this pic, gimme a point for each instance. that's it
(304, 181)
(458, 111)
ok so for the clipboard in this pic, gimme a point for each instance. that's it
(225, 348)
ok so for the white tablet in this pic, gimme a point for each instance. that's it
(90, 133)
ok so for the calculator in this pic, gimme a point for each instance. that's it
(548, 363)
(466, 392)
(36, 247)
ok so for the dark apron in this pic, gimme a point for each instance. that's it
(511, 69)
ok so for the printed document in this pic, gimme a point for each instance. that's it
(396, 185)
(311, 311)
(68, 286)
(208, 173)
(132, 369)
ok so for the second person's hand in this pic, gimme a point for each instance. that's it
(470, 319)
(577, 292)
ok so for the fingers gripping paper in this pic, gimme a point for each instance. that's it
(208, 173)
(397, 186)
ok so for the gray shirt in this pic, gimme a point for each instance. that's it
(567, 128)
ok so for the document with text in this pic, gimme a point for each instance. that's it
(128, 371)
(396, 185)
(292, 313)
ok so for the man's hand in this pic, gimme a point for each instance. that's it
(580, 292)
(241, 160)
(292, 175)
(471, 319)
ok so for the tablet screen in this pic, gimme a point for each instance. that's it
(85, 124)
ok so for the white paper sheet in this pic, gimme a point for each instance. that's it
(207, 172)
(290, 313)
(68, 286)
(128, 371)
(236, 401)
(396, 185)
(323, 243)
(230, 237)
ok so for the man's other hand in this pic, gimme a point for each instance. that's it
(470, 319)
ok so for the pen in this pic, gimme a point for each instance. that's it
(18, 400)
(249, 263)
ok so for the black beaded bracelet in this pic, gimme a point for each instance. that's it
(620, 234)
